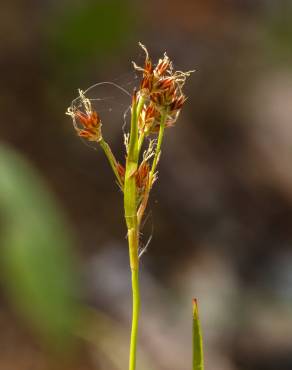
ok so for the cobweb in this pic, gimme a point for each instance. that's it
(112, 101)
(144, 240)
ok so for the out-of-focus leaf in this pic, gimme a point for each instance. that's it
(37, 262)
(89, 29)
(278, 33)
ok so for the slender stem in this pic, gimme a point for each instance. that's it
(130, 188)
(144, 202)
(133, 234)
(130, 206)
(140, 105)
(112, 160)
(142, 134)
(159, 142)
(133, 247)
(198, 357)
(140, 141)
(135, 319)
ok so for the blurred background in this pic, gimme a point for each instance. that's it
(220, 216)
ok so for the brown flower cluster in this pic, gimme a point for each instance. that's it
(87, 122)
(156, 104)
(161, 90)
(141, 175)
(161, 87)
(91, 125)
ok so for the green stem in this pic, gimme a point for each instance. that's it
(130, 206)
(198, 356)
(133, 246)
(112, 160)
(141, 140)
(144, 202)
(159, 142)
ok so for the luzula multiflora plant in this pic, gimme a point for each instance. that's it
(156, 105)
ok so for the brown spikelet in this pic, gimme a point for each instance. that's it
(121, 171)
(91, 125)
(142, 175)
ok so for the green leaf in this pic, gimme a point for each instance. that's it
(37, 260)
(198, 357)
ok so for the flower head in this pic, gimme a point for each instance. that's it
(161, 88)
(86, 121)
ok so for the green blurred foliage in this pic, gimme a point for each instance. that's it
(278, 35)
(89, 29)
(37, 260)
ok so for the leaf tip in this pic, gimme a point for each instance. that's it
(195, 307)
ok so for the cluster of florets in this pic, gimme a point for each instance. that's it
(160, 99)
(142, 174)
(86, 120)
(161, 87)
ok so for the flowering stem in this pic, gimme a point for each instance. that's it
(161, 91)
(130, 206)
(112, 160)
